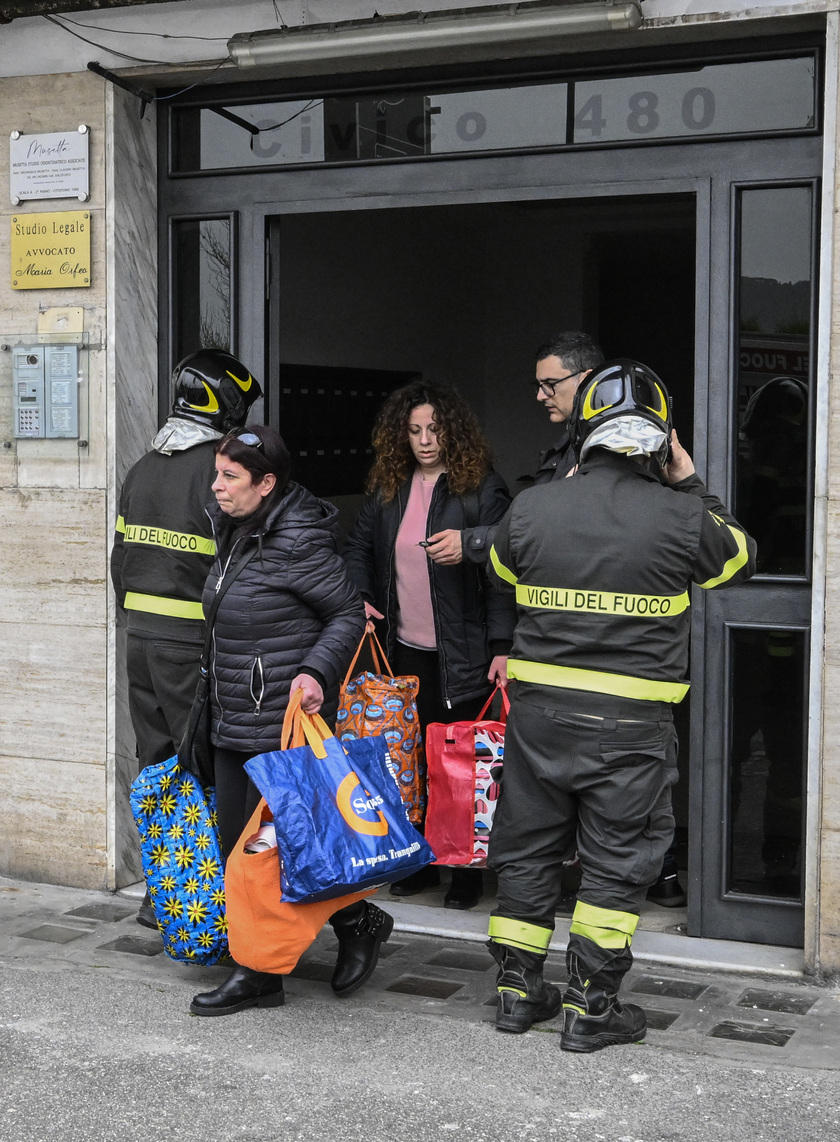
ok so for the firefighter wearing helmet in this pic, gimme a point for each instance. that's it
(601, 565)
(163, 550)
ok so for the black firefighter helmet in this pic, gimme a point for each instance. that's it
(620, 387)
(213, 388)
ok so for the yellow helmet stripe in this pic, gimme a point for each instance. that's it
(212, 403)
(588, 411)
(662, 411)
(244, 385)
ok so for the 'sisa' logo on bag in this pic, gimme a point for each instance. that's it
(360, 811)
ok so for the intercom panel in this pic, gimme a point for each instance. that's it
(46, 391)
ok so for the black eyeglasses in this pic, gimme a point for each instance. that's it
(249, 438)
(548, 387)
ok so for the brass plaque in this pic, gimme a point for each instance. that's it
(51, 251)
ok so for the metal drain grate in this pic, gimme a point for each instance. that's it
(452, 958)
(672, 988)
(430, 988)
(776, 1001)
(660, 1020)
(111, 913)
(752, 1033)
(133, 946)
(53, 934)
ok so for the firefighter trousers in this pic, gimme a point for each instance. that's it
(574, 779)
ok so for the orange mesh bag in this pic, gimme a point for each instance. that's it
(375, 703)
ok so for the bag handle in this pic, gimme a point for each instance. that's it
(300, 728)
(375, 645)
(505, 704)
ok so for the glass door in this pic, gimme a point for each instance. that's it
(750, 869)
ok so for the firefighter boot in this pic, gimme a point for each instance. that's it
(593, 1016)
(524, 996)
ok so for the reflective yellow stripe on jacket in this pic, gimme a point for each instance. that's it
(596, 681)
(162, 537)
(601, 602)
(160, 605)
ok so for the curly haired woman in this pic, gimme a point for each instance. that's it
(444, 624)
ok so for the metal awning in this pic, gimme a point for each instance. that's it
(17, 9)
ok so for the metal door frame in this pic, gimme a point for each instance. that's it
(258, 198)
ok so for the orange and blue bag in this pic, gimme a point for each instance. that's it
(380, 705)
(340, 821)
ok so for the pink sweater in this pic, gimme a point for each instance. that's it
(416, 621)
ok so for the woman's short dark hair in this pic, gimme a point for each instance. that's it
(269, 457)
(464, 449)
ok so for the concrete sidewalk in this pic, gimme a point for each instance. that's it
(709, 998)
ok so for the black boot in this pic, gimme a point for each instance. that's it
(427, 877)
(593, 1016)
(242, 988)
(360, 929)
(465, 890)
(146, 914)
(524, 996)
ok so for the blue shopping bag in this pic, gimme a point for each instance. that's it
(340, 820)
(182, 861)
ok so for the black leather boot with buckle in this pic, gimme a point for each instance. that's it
(593, 1018)
(361, 930)
(242, 988)
(524, 996)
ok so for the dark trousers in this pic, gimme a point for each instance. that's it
(236, 795)
(162, 678)
(431, 707)
(574, 781)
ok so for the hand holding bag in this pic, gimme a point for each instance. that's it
(378, 704)
(341, 824)
(464, 760)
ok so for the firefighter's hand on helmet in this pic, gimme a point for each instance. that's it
(680, 466)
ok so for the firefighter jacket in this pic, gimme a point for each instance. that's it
(163, 544)
(554, 464)
(601, 565)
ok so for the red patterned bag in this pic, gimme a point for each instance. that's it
(377, 704)
(464, 760)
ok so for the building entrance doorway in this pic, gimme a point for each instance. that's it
(364, 300)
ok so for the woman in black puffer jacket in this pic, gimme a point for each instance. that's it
(290, 619)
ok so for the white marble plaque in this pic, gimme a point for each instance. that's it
(54, 165)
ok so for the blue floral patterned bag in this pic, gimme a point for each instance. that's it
(182, 861)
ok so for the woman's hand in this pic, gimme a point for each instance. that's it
(370, 613)
(313, 695)
(497, 673)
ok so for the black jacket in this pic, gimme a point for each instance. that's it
(163, 543)
(472, 622)
(554, 464)
(601, 565)
(292, 608)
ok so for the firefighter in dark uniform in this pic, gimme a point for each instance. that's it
(601, 565)
(163, 550)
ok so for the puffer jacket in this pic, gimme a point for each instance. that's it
(472, 621)
(292, 608)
